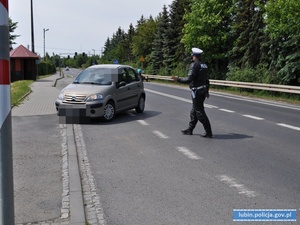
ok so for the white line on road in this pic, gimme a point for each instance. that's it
(177, 98)
(170, 96)
(253, 117)
(227, 110)
(142, 122)
(258, 101)
(160, 134)
(188, 153)
(211, 106)
(288, 126)
(239, 187)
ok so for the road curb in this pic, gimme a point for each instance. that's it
(54, 83)
(77, 213)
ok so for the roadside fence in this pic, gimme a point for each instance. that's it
(248, 85)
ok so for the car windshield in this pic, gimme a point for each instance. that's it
(98, 76)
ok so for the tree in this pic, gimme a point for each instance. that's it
(161, 43)
(207, 27)
(178, 54)
(248, 32)
(143, 38)
(282, 26)
(12, 37)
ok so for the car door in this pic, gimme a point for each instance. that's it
(122, 95)
(133, 86)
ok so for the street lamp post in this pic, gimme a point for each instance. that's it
(44, 43)
(32, 29)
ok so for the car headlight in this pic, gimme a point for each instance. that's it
(94, 97)
(61, 96)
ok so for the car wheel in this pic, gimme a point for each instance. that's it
(141, 105)
(109, 111)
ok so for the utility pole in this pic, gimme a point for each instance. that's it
(32, 30)
(45, 43)
(7, 216)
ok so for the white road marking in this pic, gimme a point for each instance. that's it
(227, 110)
(142, 122)
(177, 98)
(239, 187)
(253, 117)
(288, 126)
(230, 111)
(211, 106)
(188, 153)
(170, 96)
(258, 101)
(160, 134)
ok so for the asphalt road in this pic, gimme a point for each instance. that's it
(146, 172)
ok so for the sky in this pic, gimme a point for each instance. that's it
(77, 26)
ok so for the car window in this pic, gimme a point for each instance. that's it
(94, 76)
(122, 75)
(132, 76)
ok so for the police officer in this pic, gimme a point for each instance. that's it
(199, 84)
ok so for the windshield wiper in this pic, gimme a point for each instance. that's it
(91, 83)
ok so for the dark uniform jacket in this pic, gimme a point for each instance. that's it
(197, 76)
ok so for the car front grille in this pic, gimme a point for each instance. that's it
(74, 98)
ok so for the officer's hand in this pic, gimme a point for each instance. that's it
(207, 95)
(174, 78)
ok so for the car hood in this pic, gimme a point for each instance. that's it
(85, 89)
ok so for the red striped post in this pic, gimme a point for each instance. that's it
(6, 160)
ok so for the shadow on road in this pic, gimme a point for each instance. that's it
(124, 117)
(231, 136)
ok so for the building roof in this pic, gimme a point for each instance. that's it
(22, 52)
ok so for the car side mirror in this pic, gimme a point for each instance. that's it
(121, 84)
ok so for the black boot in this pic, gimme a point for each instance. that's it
(187, 131)
(207, 135)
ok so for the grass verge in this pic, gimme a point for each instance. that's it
(18, 90)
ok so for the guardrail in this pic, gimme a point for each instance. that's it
(258, 86)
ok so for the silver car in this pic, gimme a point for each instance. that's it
(102, 91)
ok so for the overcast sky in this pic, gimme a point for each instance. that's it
(77, 26)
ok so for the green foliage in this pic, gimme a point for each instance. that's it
(247, 74)
(143, 38)
(18, 90)
(208, 28)
(12, 26)
(45, 68)
(242, 40)
(282, 20)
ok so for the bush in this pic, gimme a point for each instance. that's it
(45, 68)
(246, 75)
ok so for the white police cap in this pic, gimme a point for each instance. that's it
(196, 51)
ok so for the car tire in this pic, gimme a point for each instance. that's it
(141, 104)
(109, 111)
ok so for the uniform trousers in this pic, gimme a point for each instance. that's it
(198, 113)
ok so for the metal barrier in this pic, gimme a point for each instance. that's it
(258, 86)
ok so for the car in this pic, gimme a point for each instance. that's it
(102, 91)
(67, 68)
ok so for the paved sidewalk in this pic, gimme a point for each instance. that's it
(41, 100)
(39, 108)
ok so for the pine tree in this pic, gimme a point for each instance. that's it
(160, 46)
(178, 54)
(12, 37)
